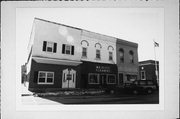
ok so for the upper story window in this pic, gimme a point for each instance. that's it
(98, 51)
(110, 55)
(84, 44)
(67, 49)
(98, 54)
(49, 46)
(110, 48)
(121, 54)
(131, 56)
(84, 52)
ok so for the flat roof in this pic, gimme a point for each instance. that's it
(118, 40)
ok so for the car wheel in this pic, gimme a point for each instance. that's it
(149, 91)
(135, 92)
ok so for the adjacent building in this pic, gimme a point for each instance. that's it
(66, 57)
(147, 70)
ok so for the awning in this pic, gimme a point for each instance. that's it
(56, 61)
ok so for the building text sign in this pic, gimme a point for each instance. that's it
(102, 69)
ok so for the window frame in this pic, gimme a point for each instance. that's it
(45, 82)
(108, 78)
(131, 54)
(144, 75)
(121, 57)
(99, 54)
(98, 82)
(85, 52)
(110, 52)
(66, 45)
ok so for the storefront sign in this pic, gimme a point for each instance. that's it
(102, 69)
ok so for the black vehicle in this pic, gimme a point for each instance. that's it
(141, 86)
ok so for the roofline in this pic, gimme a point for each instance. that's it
(117, 39)
(57, 23)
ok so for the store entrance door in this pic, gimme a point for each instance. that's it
(103, 82)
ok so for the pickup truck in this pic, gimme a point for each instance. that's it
(141, 86)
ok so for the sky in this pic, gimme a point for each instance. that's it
(139, 25)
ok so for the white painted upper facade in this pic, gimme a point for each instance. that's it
(66, 43)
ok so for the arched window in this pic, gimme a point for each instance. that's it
(84, 44)
(98, 51)
(131, 56)
(121, 54)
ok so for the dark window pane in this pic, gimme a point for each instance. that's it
(49, 80)
(41, 80)
(49, 49)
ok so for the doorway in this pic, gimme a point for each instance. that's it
(69, 78)
(103, 80)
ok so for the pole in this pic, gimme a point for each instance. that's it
(156, 71)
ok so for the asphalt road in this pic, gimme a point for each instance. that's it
(108, 99)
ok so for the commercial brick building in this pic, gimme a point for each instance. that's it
(62, 57)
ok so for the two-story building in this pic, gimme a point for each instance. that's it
(127, 61)
(62, 57)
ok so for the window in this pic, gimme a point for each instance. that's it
(84, 52)
(131, 77)
(143, 75)
(67, 49)
(93, 79)
(98, 55)
(49, 46)
(110, 56)
(45, 77)
(131, 56)
(111, 79)
(142, 83)
(121, 54)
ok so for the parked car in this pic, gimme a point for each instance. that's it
(141, 86)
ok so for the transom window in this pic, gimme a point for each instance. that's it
(110, 56)
(111, 79)
(45, 77)
(49, 46)
(93, 79)
(84, 52)
(98, 54)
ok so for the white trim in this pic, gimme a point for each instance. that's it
(46, 72)
(47, 60)
(108, 77)
(93, 74)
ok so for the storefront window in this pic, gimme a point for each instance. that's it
(131, 77)
(93, 79)
(111, 79)
(45, 77)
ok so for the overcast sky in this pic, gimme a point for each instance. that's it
(139, 25)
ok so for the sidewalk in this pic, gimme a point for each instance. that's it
(25, 91)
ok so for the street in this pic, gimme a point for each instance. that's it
(108, 99)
